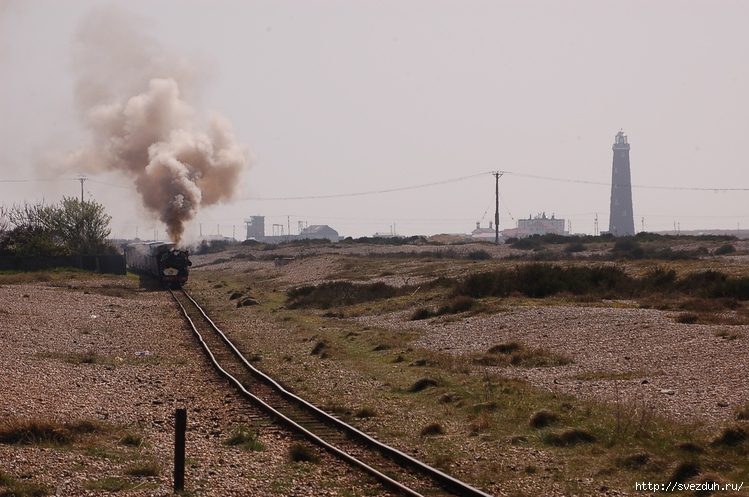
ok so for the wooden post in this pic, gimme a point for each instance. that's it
(180, 427)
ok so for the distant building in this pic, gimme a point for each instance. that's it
(484, 234)
(320, 232)
(255, 227)
(542, 225)
(256, 231)
(534, 225)
(621, 217)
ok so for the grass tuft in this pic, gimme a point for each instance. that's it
(146, 467)
(432, 429)
(18, 431)
(687, 318)
(731, 436)
(690, 447)
(635, 461)
(571, 436)
(516, 354)
(684, 471)
(12, 487)
(299, 452)
(131, 440)
(109, 484)
(245, 438)
(365, 412)
(422, 384)
(317, 348)
(544, 418)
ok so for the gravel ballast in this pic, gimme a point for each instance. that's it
(125, 357)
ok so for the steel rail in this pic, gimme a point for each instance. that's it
(448, 482)
(269, 410)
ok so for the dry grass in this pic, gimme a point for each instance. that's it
(516, 354)
(18, 431)
(543, 418)
(145, 467)
(570, 436)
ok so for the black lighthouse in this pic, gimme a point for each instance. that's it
(622, 218)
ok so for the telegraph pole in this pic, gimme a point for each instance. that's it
(82, 178)
(496, 174)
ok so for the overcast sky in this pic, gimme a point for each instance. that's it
(331, 98)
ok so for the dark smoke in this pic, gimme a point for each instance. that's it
(134, 97)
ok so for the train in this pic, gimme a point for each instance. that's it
(161, 260)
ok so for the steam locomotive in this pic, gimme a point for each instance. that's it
(161, 260)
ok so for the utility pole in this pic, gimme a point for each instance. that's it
(496, 174)
(82, 178)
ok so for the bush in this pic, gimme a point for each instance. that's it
(339, 293)
(574, 247)
(539, 280)
(479, 255)
(725, 249)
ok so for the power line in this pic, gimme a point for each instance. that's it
(373, 192)
(424, 185)
(599, 183)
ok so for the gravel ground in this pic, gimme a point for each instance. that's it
(45, 330)
(682, 371)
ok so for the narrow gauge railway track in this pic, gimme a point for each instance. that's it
(394, 469)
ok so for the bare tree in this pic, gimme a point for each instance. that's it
(4, 221)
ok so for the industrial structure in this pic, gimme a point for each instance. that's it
(621, 218)
(256, 231)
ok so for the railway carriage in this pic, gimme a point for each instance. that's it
(161, 260)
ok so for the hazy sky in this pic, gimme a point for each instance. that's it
(342, 97)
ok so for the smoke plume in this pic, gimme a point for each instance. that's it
(134, 97)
